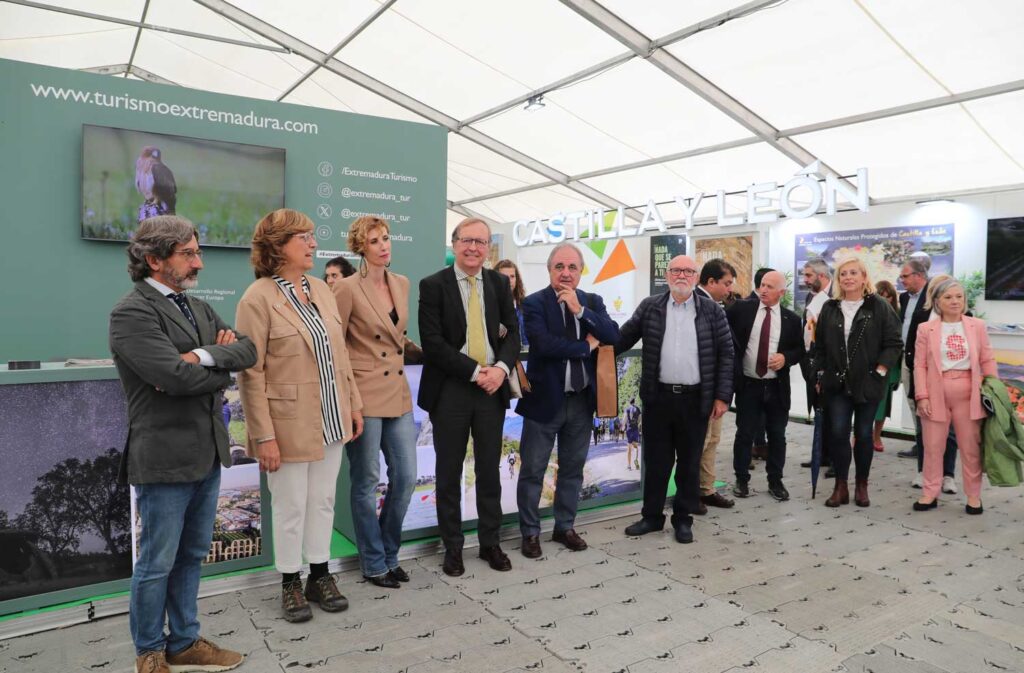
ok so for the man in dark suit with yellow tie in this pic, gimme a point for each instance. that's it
(470, 337)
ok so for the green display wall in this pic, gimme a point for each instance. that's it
(57, 289)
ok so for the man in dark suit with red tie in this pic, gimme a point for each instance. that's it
(470, 337)
(769, 340)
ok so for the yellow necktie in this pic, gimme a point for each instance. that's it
(475, 325)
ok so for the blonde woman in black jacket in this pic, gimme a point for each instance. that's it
(857, 341)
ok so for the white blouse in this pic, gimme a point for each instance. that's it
(849, 309)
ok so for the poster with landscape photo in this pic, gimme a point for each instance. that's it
(737, 250)
(63, 515)
(1011, 372)
(883, 251)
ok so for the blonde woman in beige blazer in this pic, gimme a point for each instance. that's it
(374, 307)
(301, 404)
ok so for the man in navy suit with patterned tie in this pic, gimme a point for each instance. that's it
(564, 326)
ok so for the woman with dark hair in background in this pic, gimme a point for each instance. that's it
(301, 404)
(515, 281)
(336, 269)
(856, 344)
(886, 291)
(374, 309)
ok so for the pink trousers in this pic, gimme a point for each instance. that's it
(956, 386)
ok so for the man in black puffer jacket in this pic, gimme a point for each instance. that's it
(687, 379)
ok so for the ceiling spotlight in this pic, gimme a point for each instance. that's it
(535, 102)
(929, 201)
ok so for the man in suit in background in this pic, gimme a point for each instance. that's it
(914, 276)
(716, 279)
(173, 354)
(686, 381)
(470, 337)
(769, 341)
(564, 326)
(818, 279)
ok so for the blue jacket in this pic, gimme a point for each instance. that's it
(550, 350)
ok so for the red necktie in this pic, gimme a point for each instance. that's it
(761, 368)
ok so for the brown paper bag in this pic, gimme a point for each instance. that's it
(607, 383)
(524, 383)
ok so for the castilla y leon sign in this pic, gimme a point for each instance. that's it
(815, 189)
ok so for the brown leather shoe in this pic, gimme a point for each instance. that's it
(151, 662)
(495, 558)
(531, 546)
(716, 499)
(860, 493)
(294, 604)
(702, 509)
(840, 494)
(452, 565)
(324, 592)
(204, 656)
(570, 538)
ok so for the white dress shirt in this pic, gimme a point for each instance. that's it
(680, 363)
(461, 278)
(811, 313)
(205, 359)
(909, 315)
(754, 343)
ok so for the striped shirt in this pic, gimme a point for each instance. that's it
(330, 409)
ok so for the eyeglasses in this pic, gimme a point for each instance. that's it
(470, 242)
(189, 255)
(904, 276)
(562, 267)
(306, 237)
(673, 271)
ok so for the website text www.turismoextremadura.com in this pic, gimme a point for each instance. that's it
(134, 104)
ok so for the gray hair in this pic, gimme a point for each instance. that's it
(466, 222)
(819, 266)
(922, 257)
(157, 237)
(562, 246)
(942, 288)
(918, 266)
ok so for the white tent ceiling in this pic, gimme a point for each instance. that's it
(643, 99)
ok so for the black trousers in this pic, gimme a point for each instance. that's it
(760, 407)
(674, 430)
(463, 410)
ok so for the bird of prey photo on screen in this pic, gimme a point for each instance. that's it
(155, 183)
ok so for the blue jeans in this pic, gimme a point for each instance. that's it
(378, 539)
(842, 413)
(571, 426)
(177, 526)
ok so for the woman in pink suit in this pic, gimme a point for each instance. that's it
(953, 356)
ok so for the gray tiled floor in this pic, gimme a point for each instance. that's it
(789, 587)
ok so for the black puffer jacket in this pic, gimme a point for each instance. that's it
(714, 345)
(874, 340)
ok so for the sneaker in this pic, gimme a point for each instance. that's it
(918, 481)
(293, 604)
(778, 491)
(203, 656)
(741, 489)
(151, 662)
(948, 484)
(324, 592)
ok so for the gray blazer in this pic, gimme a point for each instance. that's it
(175, 427)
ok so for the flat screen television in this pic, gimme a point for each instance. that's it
(1004, 260)
(224, 188)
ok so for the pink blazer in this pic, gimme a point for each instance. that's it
(928, 365)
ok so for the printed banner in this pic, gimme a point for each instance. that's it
(737, 250)
(883, 251)
(663, 249)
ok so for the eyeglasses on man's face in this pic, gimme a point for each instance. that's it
(469, 242)
(676, 271)
(189, 255)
